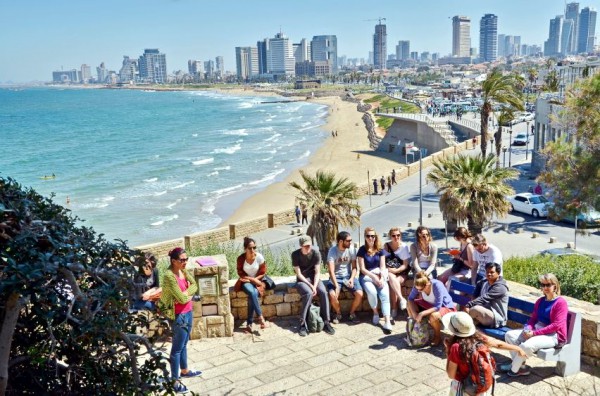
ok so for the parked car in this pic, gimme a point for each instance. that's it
(531, 204)
(528, 117)
(589, 219)
(520, 140)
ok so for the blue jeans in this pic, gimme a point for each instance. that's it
(253, 304)
(141, 305)
(373, 292)
(182, 329)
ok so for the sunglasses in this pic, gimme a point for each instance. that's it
(370, 236)
(546, 285)
(251, 247)
(183, 260)
(348, 240)
(424, 234)
(395, 236)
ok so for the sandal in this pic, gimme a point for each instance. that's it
(248, 330)
(263, 323)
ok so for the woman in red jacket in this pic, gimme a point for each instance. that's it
(546, 328)
(251, 268)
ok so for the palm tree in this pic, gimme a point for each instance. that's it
(472, 189)
(332, 203)
(505, 117)
(501, 89)
(532, 75)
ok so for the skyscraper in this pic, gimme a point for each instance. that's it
(129, 70)
(461, 36)
(86, 73)
(324, 48)
(403, 50)
(587, 30)
(246, 62)
(380, 46)
(219, 66)
(101, 73)
(552, 45)
(501, 45)
(572, 13)
(262, 46)
(280, 55)
(488, 37)
(153, 66)
(566, 36)
(302, 51)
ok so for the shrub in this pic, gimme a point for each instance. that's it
(579, 276)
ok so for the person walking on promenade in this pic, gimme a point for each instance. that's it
(251, 268)
(178, 290)
(424, 253)
(398, 266)
(375, 186)
(389, 185)
(304, 214)
(546, 328)
(306, 262)
(373, 277)
(538, 189)
(382, 182)
(343, 273)
(489, 306)
(394, 176)
(484, 253)
(463, 259)
(297, 212)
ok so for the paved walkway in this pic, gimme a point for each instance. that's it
(358, 360)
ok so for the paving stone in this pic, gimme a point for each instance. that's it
(310, 388)
(269, 354)
(335, 345)
(416, 376)
(389, 373)
(323, 358)
(363, 370)
(322, 371)
(284, 371)
(350, 386)
(388, 387)
(293, 357)
(310, 341)
(217, 360)
(251, 371)
(420, 389)
(281, 385)
(206, 385)
(226, 368)
(358, 358)
(235, 388)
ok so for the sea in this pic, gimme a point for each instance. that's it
(148, 166)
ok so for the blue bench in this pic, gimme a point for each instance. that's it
(568, 357)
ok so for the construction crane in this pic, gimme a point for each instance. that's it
(373, 20)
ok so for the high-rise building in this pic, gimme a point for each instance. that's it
(379, 46)
(153, 66)
(566, 36)
(129, 70)
(461, 36)
(324, 48)
(101, 73)
(280, 55)
(209, 68)
(66, 76)
(262, 46)
(501, 45)
(86, 73)
(403, 50)
(246, 62)
(302, 51)
(488, 37)
(586, 36)
(572, 13)
(552, 45)
(219, 66)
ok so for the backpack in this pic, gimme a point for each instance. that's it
(314, 322)
(482, 367)
(417, 334)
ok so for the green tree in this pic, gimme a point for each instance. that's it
(499, 89)
(551, 83)
(572, 169)
(505, 117)
(532, 75)
(331, 203)
(64, 298)
(472, 189)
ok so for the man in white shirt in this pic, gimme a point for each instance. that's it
(484, 253)
(341, 264)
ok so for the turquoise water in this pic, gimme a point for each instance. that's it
(148, 166)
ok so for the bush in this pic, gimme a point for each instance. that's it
(579, 276)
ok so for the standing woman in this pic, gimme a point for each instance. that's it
(546, 328)
(423, 253)
(373, 276)
(399, 252)
(465, 256)
(178, 288)
(251, 268)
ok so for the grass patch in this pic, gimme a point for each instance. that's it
(384, 122)
(579, 276)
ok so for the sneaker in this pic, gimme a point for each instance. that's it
(403, 304)
(191, 373)
(354, 318)
(180, 388)
(375, 319)
(387, 328)
(522, 371)
(328, 329)
(302, 331)
(337, 318)
(505, 367)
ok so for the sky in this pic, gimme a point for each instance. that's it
(40, 36)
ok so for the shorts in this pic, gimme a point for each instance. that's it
(425, 305)
(340, 281)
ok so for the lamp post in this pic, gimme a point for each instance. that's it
(527, 144)
(422, 152)
(510, 147)
(504, 157)
(369, 187)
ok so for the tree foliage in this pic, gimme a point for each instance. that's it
(572, 169)
(472, 189)
(331, 203)
(64, 299)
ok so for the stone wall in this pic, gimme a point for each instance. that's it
(239, 230)
(161, 249)
(280, 218)
(218, 235)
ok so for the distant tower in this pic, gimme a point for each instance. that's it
(302, 51)
(461, 36)
(552, 45)
(379, 46)
(488, 37)
(324, 48)
(246, 62)
(572, 13)
(403, 50)
(219, 66)
(587, 30)
(153, 66)
(280, 55)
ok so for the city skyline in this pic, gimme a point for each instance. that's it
(40, 37)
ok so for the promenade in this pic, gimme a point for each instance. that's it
(359, 359)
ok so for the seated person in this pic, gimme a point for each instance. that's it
(463, 261)
(341, 264)
(146, 284)
(433, 301)
(306, 262)
(424, 253)
(397, 252)
(489, 306)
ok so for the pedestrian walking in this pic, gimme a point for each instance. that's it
(375, 185)
(304, 214)
(382, 182)
(389, 184)
(394, 176)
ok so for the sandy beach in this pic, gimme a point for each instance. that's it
(338, 155)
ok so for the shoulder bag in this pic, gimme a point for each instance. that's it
(269, 282)
(392, 261)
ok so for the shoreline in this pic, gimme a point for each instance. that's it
(335, 154)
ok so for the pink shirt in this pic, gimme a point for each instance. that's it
(187, 307)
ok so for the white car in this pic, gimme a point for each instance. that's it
(531, 204)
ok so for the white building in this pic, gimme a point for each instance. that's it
(280, 55)
(461, 36)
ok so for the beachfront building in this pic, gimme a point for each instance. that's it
(313, 68)
(461, 36)
(280, 56)
(572, 14)
(86, 73)
(488, 37)
(552, 46)
(153, 66)
(101, 73)
(246, 62)
(586, 35)
(129, 70)
(302, 50)
(66, 76)
(262, 46)
(196, 69)
(209, 69)
(219, 66)
(324, 49)
(403, 50)
(380, 46)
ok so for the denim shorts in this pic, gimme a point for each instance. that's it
(340, 281)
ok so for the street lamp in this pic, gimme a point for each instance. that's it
(510, 147)
(422, 152)
(504, 157)
(527, 145)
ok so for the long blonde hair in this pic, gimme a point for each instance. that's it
(423, 243)
(422, 279)
(376, 243)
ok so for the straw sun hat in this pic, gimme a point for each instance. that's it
(459, 323)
